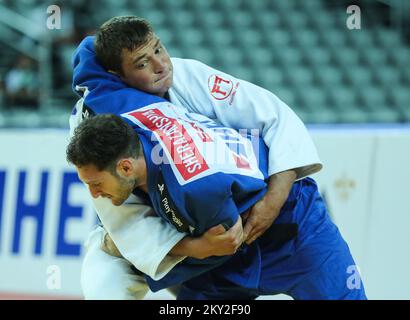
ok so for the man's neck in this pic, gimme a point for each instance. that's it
(144, 188)
(140, 174)
(166, 96)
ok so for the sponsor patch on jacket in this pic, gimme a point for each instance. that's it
(196, 146)
(219, 87)
(169, 208)
(176, 139)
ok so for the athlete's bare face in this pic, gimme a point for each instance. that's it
(118, 187)
(148, 67)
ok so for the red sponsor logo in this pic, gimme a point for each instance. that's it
(180, 145)
(233, 94)
(219, 87)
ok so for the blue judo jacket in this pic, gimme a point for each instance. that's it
(190, 184)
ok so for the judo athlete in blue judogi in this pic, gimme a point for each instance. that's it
(303, 267)
(196, 174)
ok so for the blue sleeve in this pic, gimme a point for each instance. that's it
(206, 209)
(209, 202)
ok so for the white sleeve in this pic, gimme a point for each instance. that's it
(76, 116)
(104, 277)
(142, 237)
(242, 105)
(78, 112)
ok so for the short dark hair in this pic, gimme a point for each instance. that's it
(116, 34)
(102, 140)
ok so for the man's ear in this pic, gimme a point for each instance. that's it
(118, 74)
(125, 167)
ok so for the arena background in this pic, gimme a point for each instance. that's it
(348, 81)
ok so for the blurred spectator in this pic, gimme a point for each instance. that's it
(21, 84)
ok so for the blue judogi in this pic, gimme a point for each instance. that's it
(311, 265)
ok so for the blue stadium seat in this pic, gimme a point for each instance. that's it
(251, 37)
(296, 21)
(321, 20)
(312, 97)
(167, 36)
(240, 20)
(289, 56)
(358, 38)
(322, 115)
(374, 56)
(256, 7)
(400, 57)
(399, 95)
(300, 50)
(354, 114)
(405, 75)
(156, 17)
(268, 21)
(269, 77)
(219, 38)
(190, 37)
(372, 98)
(247, 74)
(258, 56)
(332, 38)
(277, 39)
(202, 54)
(384, 115)
(287, 95)
(387, 75)
(299, 76)
(328, 76)
(198, 5)
(358, 76)
(229, 56)
(342, 98)
(317, 57)
(210, 20)
(183, 18)
(227, 4)
(385, 38)
(306, 39)
(346, 57)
